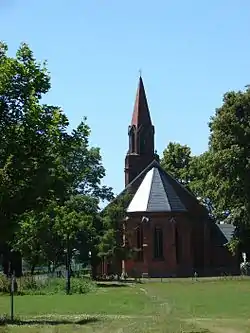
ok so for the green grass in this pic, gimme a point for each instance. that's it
(175, 306)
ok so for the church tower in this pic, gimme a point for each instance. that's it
(141, 137)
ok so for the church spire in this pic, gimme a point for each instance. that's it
(141, 137)
(141, 115)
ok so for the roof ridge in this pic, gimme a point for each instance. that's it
(149, 192)
(148, 167)
(169, 188)
(176, 181)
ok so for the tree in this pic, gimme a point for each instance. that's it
(31, 134)
(83, 165)
(45, 237)
(176, 160)
(112, 244)
(40, 162)
(28, 240)
(202, 182)
(191, 171)
(229, 145)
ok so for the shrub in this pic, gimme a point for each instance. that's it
(38, 285)
(27, 283)
(82, 286)
(3, 319)
(4, 284)
(33, 285)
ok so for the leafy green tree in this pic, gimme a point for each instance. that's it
(83, 165)
(40, 162)
(191, 171)
(202, 182)
(176, 160)
(28, 241)
(230, 164)
(45, 237)
(113, 217)
(31, 134)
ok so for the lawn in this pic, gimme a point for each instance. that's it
(214, 306)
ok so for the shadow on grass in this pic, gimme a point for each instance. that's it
(47, 322)
(111, 285)
(107, 284)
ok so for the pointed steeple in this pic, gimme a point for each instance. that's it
(141, 137)
(141, 115)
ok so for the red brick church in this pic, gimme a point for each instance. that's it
(170, 228)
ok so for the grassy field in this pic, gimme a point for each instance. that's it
(214, 306)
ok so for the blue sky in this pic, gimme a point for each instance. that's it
(190, 53)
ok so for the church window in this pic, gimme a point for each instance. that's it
(158, 243)
(143, 142)
(177, 246)
(132, 141)
(139, 240)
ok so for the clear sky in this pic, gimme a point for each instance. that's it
(190, 53)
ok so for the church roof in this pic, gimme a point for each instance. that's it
(225, 234)
(173, 189)
(156, 193)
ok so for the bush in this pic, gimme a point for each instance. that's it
(6, 320)
(4, 284)
(34, 285)
(3, 319)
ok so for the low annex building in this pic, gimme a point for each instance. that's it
(169, 227)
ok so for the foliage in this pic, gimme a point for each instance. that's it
(229, 168)
(176, 161)
(202, 182)
(84, 166)
(31, 136)
(4, 284)
(34, 237)
(233, 245)
(111, 243)
(44, 169)
(191, 171)
(43, 237)
(220, 177)
(31, 285)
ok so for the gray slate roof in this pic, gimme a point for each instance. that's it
(183, 194)
(156, 194)
(227, 231)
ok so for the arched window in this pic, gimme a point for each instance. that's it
(139, 241)
(142, 141)
(178, 248)
(132, 140)
(158, 243)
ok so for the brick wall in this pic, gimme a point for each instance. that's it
(198, 251)
(168, 266)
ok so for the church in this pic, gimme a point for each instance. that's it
(171, 230)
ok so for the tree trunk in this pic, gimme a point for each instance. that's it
(33, 269)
